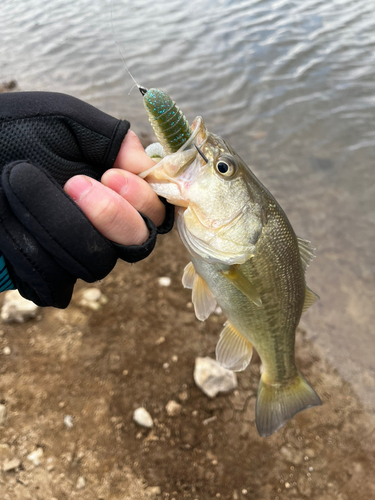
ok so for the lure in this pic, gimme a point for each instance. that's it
(167, 120)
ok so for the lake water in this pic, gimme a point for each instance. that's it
(290, 84)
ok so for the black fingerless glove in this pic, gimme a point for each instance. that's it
(46, 240)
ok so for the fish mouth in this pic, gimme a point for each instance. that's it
(176, 171)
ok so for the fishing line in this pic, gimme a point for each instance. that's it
(142, 89)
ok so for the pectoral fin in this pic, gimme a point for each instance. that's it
(310, 299)
(188, 276)
(233, 351)
(202, 297)
(234, 275)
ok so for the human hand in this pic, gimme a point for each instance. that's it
(113, 205)
(46, 241)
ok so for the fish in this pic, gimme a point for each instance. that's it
(245, 256)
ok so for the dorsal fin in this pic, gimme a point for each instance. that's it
(306, 252)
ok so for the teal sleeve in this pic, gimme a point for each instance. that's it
(5, 282)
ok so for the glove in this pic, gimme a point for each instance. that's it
(46, 240)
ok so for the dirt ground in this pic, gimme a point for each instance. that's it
(99, 366)
(139, 349)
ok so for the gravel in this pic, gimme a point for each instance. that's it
(212, 378)
(142, 417)
(12, 464)
(36, 456)
(93, 298)
(16, 309)
(173, 408)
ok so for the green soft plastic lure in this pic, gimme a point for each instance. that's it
(168, 122)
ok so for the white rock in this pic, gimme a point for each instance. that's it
(153, 491)
(142, 417)
(68, 421)
(93, 299)
(6, 350)
(81, 483)
(164, 281)
(173, 408)
(212, 378)
(12, 464)
(36, 456)
(16, 309)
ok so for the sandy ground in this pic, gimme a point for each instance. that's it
(139, 349)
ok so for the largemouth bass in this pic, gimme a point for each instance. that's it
(244, 253)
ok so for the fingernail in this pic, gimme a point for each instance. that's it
(78, 187)
(116, 181)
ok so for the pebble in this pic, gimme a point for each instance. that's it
(4, 451)
(68, 421)
(36, 456)
(93, 299)
(7, 351)
(292, 455)
(160, 341)
(183, 396)
(153, 491)
(164, 281)
(173, 408)
(81, 483)
(212, 378)
(12, 464)
(16, 309)
(142, 417)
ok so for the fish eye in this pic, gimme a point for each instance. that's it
(226, 167)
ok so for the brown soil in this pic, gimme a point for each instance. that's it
(99, 366)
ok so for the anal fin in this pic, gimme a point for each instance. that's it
(239, 280)
(233, 351)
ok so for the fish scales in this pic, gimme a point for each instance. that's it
(271, 328)
(245, 257)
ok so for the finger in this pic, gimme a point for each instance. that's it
(109, 212)
(132, 156)
(137, 192)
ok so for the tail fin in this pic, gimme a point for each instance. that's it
(277, 404)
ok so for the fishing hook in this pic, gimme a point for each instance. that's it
(201, 153)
